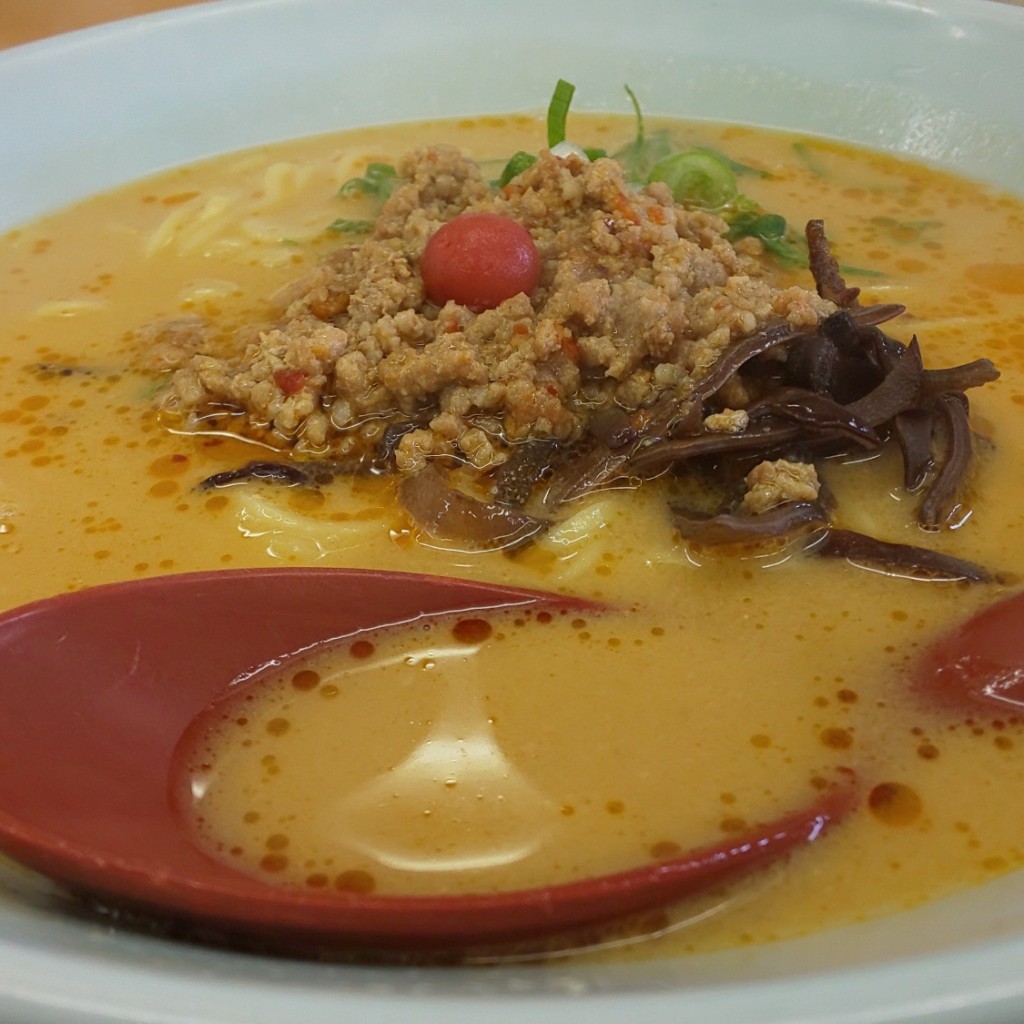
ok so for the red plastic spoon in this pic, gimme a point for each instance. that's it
(978, 667)
(97, 687)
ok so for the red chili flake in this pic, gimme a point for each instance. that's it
(626, 209)
(291, 382)
(570, 347)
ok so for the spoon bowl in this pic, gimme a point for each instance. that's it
(977, 668)
(99, 686)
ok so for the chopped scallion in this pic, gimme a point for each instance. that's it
(639, 156)
(810, 161)
(350, 227)
(740, 168)
(698, 178)
(788, 247)
(772, 230)
(638, 113)
(558, 111)
(759, 225)
(379, 180)
(905, 230)
(517, 163)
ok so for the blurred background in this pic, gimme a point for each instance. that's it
(21, 21)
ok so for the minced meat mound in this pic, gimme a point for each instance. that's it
(637, 296)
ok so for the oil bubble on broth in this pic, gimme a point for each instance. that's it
(523, 754)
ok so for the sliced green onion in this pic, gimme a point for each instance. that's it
(787, 247)
(639, 116)
(379, 180)
(741, 168)
(809, 160)
(698, 178)
(757, 225)
(517, 163)
(787, 251)
(905, 230)
(558, 111)
(350, 227)
(639, 156)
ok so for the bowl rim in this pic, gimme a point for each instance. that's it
(102, 105)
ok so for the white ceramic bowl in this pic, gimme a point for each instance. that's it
(937, 79)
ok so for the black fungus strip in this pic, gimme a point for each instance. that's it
(450, 515)
(736, 528)
(595, 468)
(816, 413)
(657, 457)
(393, 434)
(613, 427)
(599, 463)
(913, 429)
(519, 474)
(960, 378)
(813, 362)
(862, 340)
(857, 369)
(63, 370)
(828, 278)
(741, 352)
(940, 503)
(288, 473)
(900, 559)
(312, 473)
(870, 316)
(899, 390)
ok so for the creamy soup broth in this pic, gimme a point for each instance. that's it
(730, 684)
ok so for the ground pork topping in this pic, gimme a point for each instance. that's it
(650, 345)
(775, 482)
(636, 294)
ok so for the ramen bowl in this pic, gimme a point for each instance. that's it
(94, 109)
